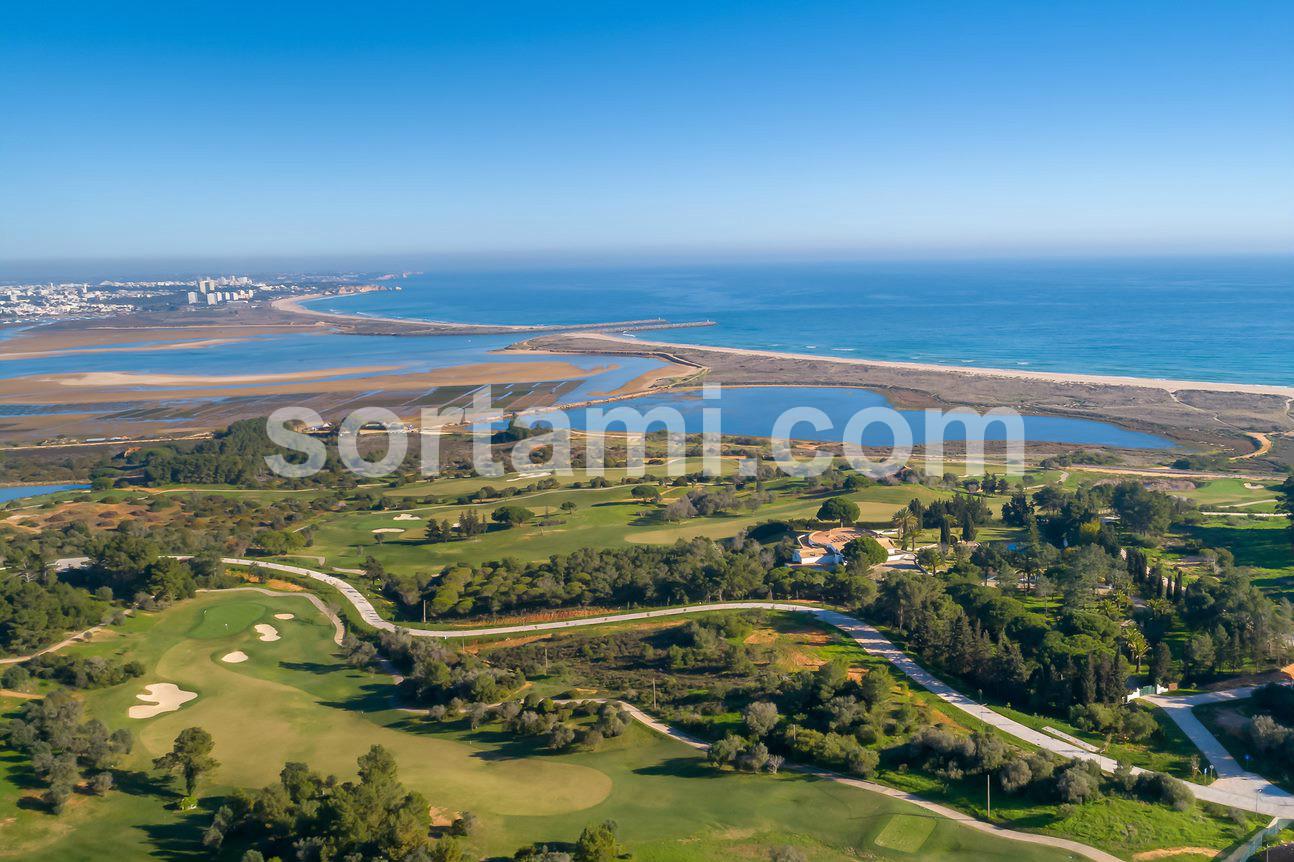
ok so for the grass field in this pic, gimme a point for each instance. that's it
(292, 700)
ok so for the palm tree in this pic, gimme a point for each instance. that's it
(905, 521)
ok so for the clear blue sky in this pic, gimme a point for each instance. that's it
(906, 128)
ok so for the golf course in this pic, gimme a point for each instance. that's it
(293, 699)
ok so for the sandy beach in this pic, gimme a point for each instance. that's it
(297, 305)
(107, 387)
(972, 371)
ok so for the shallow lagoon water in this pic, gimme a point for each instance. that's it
(751, 411)
(21, 492)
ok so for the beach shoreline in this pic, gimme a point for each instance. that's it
(657, 348)
(297, 305)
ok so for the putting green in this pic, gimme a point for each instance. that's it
(906, 833)
(226, 619)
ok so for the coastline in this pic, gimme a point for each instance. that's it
(1162, 384)
(1203, 414)
(297, 305)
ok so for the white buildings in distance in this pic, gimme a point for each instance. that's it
(20, 303)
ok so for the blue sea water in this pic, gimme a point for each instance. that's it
(1192, 319)
(1228, 320)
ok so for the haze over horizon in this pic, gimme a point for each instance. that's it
(611, 131)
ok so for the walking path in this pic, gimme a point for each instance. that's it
(1249, 792)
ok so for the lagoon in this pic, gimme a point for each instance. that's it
(751, 411)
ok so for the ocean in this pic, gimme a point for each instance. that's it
(1215, 319)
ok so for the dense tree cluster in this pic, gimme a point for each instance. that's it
(689, 571)
(435, 673)
(33, 613)
(63, 749)
(310, 816)
(81, 671)
(994, 640)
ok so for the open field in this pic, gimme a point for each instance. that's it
(670, 806)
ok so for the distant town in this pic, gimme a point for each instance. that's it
(46, 301)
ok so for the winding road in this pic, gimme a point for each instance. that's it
(1235, 787)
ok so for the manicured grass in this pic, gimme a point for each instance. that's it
(1225, 492)
(293, 700)
(604, 517)
(905, 833)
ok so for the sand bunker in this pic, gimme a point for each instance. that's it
(234, 657)
(285, 616)
(1254, 486)
(161, 697)
(388, 530)
(267, 632)
(407, 517)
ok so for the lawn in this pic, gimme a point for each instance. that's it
(293, 700)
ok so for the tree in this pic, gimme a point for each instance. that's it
(1079, 783)
(1140, 510)
(190, 755)
(1286, 503)
(511, 516)
(931, 558)
(1134, 642)
(908, 525)
(1018, 510)
(1161, 664)
(646, 492)
(866, 550)
(840, 509)
(761, 717)
(725, 751)
(1201, 655)
(599, 843)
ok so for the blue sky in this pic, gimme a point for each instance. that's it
(897, 129)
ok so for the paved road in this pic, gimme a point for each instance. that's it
(1248, 791)
(1231, 775)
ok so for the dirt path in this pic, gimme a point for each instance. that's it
(1174, 851)
(67, 641)
(1264, 446)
